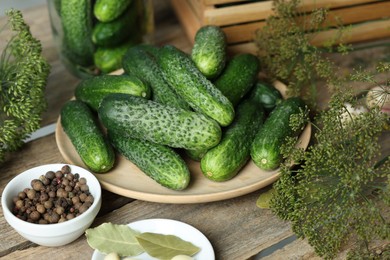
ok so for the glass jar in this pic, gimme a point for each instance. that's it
(91, 40)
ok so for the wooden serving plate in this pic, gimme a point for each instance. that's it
(127, 180)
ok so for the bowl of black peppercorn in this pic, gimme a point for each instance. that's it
(52, 205)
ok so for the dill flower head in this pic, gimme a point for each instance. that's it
(23, 75)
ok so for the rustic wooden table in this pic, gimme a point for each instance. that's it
(236, 228)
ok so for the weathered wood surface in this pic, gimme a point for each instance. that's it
(236, 228)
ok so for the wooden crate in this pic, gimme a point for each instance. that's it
(240, 19)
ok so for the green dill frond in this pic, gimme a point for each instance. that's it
(286, 50)
(339, 193)
(23, 75)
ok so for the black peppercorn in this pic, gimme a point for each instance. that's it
(54, 197)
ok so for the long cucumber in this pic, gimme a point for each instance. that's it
(266, 146)
(80, 125)
(145, 119)
(159, 162)
(224, 161)
(186, 79)
(140, 61)
(92, 90)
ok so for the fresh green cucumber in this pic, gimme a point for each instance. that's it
(196, 155)
(209, 50)
(76, 20)
(145, 119)
(267, 95)
(92, 90)
(139, 61)
(81, 127)
(109, 34)
(108, 59)
(236, 80)
(184, 77)
(238, 77)
(265, 150)
(108, 10)
(159, 162)
(224, 161)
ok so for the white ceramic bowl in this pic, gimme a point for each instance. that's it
(50, 234)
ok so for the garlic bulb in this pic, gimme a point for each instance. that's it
(379, 96)
(350, 113)
(182, 257)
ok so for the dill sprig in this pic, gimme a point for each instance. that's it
(286, 51)
(23, 74)
(340, 193)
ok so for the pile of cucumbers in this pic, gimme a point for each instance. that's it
(96, 34)
(169, 104)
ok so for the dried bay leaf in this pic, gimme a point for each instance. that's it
(165, 247)
(108, 238)
(264, 199)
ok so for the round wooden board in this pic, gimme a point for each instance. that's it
(127, 180)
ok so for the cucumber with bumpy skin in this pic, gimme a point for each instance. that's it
(265, 150)
(184, 77)
(109, 34)
(238, 77)
(76, 18)
(235, 82)
(145, 119)
(139, 61)
(209, 50)
(159, 162)
(224, 161)
(267, 95)
(81, 127)
(92, 90)
(109, 10)
(108, 59)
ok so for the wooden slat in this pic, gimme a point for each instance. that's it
(236, 228)
(357, 14)
(248, 47)
(187, 18)
(357, 33)
(257, 11)
(197, 7)
(238, 13)
(308, 5)
(243, 32)
(215, 2)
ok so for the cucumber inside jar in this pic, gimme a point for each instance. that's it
(88, 46)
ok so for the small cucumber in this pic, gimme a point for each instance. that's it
(145, 119)
(184, 77)
(108, 10)
(159, 162)
(109, 34)
(236, 80)
(76, 20)
(265, 150)
(209, 50)
(224, 161)
(196, 155)
(267, 95)
(108, 59)
(92, 90)
(81, 127)
(238, 77)
(140, 61)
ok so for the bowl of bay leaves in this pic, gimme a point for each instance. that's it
(149, 239)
